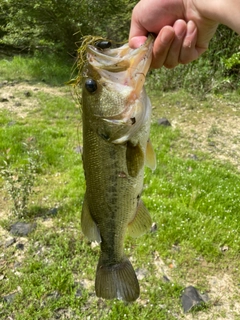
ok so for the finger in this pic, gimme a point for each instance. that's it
(161, 46)
(137, 34)
(136, 42)
(189, 51)
(172, 59)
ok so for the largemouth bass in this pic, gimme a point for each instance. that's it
(116, 116)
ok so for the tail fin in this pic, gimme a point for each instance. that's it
(117, 281)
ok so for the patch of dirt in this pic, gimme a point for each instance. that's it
(222, 291)
(20, 97)
(218, 136)
(224, 298)
(212, 126)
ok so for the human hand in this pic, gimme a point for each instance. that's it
(182, 32)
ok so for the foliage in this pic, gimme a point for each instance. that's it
(19, 181)
(60, 24)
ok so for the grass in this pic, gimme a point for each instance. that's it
(49, 68)
(194, 200)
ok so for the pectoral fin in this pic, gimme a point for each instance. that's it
(151, 161)
(89, 227)
(141, 223)
(134, 159)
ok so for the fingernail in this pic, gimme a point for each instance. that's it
(180, 28)
(167, 36)
(136, 42)
(191, 27)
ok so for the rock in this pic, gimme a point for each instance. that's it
(79, 290)
(53, 211)
(27, 94)
(165, 278)
(211, 144)
(10, 242)
(20, 246)
(10, 297)
(193, 156)
(4, 99)
(153, 227)
(79, 149)
(163, 122)
(191, 298)
(22, 228)
(141, 273)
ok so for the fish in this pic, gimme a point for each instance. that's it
(116, 116)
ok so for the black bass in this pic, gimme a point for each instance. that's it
(116, 116)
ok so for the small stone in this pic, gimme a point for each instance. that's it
(211, 144)
(191, 298)
(163, 122)
(165, 278)
(3, 99)
(10, 297)
(193, 156)
(20, 246)
(17, 265)
(94, 244)
(224, 248)
(154, 227)
(27, 94)
(141, 273)
(79, 288)
(22, 228)
(18, 104)
(53, 211)
(79, 149)
(10, 242)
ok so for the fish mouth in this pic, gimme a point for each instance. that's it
(123, 66)
(123, 70)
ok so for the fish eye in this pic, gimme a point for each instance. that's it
(103, 44)
(91, 85)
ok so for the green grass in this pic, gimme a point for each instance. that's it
(48, 68)
(194, 202)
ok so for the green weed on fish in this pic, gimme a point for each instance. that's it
(82, 55)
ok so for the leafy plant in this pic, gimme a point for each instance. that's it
(47, 24)
(19, 181)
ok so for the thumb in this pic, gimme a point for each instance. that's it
(138, 34)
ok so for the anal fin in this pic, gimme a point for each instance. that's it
(141, 223)
(89, 227)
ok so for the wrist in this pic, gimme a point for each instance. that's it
(220, 11)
